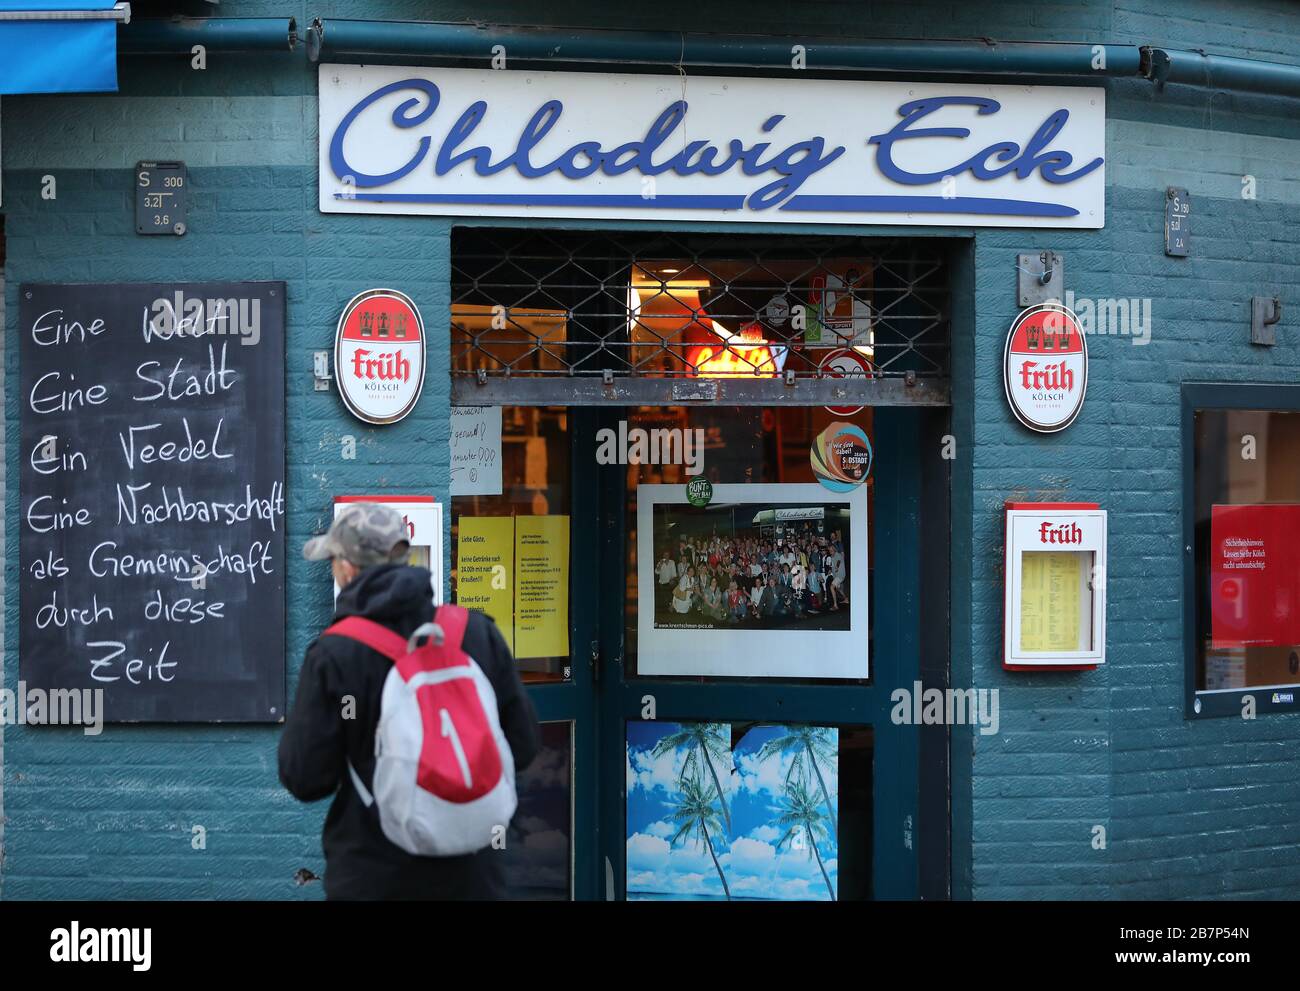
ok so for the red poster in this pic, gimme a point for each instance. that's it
(1255, 575)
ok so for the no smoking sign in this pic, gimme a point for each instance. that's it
(846, 363)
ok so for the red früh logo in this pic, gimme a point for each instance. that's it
(384, 365)
(1054, 376)
(1050, 534)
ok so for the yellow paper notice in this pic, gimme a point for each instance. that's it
(1050, 593)
(541, 586)
(485, 569)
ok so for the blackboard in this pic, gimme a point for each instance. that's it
(152, 497)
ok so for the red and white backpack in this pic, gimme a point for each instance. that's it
(444, 778)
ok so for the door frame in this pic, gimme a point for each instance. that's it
(895, 608)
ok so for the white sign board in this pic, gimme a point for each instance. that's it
(379, 356)
(799, 609)
(475, 450)
(420, 140)
(1055, 608)
(1045, 367)
(423, 519)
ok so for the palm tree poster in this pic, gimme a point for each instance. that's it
(709, 820)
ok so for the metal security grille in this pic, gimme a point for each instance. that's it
(545, 317)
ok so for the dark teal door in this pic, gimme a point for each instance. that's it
(822, 796)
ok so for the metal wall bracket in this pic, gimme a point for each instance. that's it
(1265, 313)
(320, 361)
(1040, 277)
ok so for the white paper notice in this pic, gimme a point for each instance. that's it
(475, 450)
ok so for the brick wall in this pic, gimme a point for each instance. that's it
(1191, 809)
(112, 816)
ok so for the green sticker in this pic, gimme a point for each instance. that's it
(699, 492)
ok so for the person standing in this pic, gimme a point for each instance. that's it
(328, 744)
(837, 574)
(667, 579)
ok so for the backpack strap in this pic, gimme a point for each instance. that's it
(379, 638)
(453, 620)
(374, 635)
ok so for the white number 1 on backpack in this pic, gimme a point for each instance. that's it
(449, 733)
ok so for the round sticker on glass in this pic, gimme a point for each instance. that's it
(699, 492)
(841, 457)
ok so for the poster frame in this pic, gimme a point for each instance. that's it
(836, 654)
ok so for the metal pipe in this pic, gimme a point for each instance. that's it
(1166, 65)
(179, 35)
(435, 40)
(120, 12)
(429, 39)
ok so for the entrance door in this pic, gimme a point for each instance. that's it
(705, 740)
(746, 749)
(709, 741)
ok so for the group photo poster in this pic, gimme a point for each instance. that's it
(766, 581)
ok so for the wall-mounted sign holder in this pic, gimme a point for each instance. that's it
(320, 367)
(1055, 606)
(1040, 277)
(1265, 314)
(423, 519)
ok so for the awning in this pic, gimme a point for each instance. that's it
(59, 46)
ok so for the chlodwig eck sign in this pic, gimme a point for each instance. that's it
(509, 143)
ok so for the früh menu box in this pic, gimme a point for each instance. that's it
(1055, 615)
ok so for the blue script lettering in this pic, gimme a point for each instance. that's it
(401, 118)
(793, 165)
(1008, 155)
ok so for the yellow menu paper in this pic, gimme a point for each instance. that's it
(485, 569)
(542, 586)
(1050, 591)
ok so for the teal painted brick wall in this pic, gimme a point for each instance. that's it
(1192, 809)
(113, 816)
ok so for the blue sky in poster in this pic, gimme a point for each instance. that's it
(747, 852)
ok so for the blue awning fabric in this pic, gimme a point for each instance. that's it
(58, 46)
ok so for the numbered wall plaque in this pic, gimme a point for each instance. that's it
(161, 195)
(1178, 231)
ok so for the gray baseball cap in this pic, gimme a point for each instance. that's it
(364, 533)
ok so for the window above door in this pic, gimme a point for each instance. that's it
(619, 319)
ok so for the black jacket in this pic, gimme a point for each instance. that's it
(360, 862)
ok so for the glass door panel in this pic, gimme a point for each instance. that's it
(778, 554)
